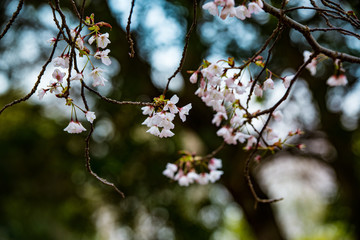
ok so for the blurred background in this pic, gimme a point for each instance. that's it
(46, 192)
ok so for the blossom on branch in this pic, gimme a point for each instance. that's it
(339, 80)
(74, 127)
(98, 79)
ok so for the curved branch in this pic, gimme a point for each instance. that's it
(12, 19)
(305, 31)
(33, 90)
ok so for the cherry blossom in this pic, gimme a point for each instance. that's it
(74, 127)
(62, 62)
(103, 55)
(212, 8)
(312, 65)
(287, 80)
(258, 91)
(254, 8)
(90, 116)
(268, 84)
(186, 173)
(171, 105)
(41, 93)
(58, 75)
(339, 80)
(183, 111)
(242, 12)
(102, 40)
(78, 76)
(98, 79)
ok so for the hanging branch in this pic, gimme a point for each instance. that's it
(33, 90)
(187, 38)
(88, 166)
(270, 111)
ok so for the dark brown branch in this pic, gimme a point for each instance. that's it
(12, 19)
(267, 42)
(270, 111)
(305, 31)
(116, 101)
(187, 38)
(88, 166)
(128, 34)
(33, 90)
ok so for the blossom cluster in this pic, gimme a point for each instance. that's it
(57, 85)
(223, 94)
(191, 170)
(162, 114)
(228, 9)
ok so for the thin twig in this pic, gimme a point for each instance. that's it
(33, 90)
(187, 38)
(12, 19)
(88, 166)
(116, 101)
(271, 110)
(128, 34)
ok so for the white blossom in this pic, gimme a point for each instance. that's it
(74, 127)
(98, 79)
(90, 116)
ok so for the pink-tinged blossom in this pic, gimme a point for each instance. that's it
(171, 105)
(334, 80)
(268, 84)
(62, 62)
(78, 76)
(287, 80)
(58, 75)
(203, 178)
(218, 117)
(41, 93)
(103, 55)
(166, 133)
(90, 116)
(254, 8)
(250, 142)
(277, 115)
(192, 176)
(154, 130)
(183, 111)
(212, 8)
(52, 41)
(312, 65)
(166, 121)
(260, 3)
(98, 79)
(242, 12)
(74, 127)
(241, 137)
(215, 175)
(227, 11)
(214, 164)
(184, 181)
(270, 134)
(102, 40)
(258, 91)
(194, 77)
(80, 43)
(220, 3)
(147, 110)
